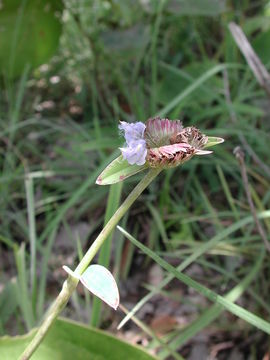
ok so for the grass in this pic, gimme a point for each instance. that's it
(194, 214)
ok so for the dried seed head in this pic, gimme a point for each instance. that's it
(170, 155)
(191, 136)
(169, 144)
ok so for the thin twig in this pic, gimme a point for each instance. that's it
(255, 64)
(239, 154)
(242, 138)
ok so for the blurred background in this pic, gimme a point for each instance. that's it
(69, 71)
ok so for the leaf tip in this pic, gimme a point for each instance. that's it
(99, 180)
(212, 141)
(115, 307)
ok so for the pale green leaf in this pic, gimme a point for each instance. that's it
(212, 141)
(118, 170)
(99, 281)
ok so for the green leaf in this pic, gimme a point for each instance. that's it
(118, 170)
(212, 141)
(8, 301)
(30, 32)
(71, 340)
(99, 281)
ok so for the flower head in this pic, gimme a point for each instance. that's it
(163, 143)
(178, 144)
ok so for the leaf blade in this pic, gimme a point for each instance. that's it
(118, 170)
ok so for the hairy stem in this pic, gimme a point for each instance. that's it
(71, 283)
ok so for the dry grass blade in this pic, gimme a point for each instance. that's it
(242, 138)
(257, 67)
(240, 157)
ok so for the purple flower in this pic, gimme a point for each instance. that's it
(135, 152)
(133, 131)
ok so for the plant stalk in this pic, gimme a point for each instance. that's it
(71, 283)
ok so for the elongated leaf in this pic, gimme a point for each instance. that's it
(71, 340)
(214, 311)
(113, 203)
(211, 295)
(199, 251)
(99, 281)
(118, 170)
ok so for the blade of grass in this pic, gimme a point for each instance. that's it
(86, 292)
(127, 263)
(78, 193)
(197, 253)
(105, 251)
(119, 251)
(159, 223)
(209, 294)
(197, 83)
(153, 51)
(227, 191)
(29, 188)
(215, 310)
(22, 288)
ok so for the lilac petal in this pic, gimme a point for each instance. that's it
(142, 159)
(135, 153)
(133, 131)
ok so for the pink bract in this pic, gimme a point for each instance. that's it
(169, 144)
(159, 131)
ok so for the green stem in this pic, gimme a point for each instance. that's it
(71, 283)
